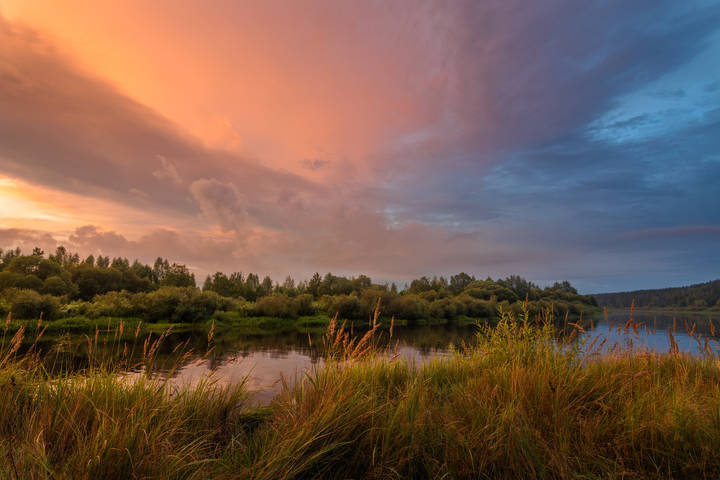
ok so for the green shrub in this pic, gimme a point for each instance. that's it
(34, 265)
(179, 304)
(370, 297)
(19, 280)
(476, 308)
(113, 304)
(29, 304)
(408, 307)
(429, 295)
(305, 304)
(92, 281)
(226, 317)
(73, 309)
(345, 306)
(487, 289)
(443, 308)
(58, 286)
(278, 305)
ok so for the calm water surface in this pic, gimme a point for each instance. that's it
(653, 329)
(264, 360)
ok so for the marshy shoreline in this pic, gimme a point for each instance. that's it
(516, 404)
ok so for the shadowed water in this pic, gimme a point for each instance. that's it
(264, 361)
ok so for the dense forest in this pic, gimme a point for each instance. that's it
(63, 285)
(700, 296)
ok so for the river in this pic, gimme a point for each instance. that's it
(262, 361)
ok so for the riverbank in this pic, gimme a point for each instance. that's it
(670, 311)
(514, 405)
(239, 324)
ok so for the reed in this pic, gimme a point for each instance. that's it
(101, 423)
(518, 404)
(521, 402)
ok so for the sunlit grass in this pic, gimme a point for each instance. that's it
(522, 402)
(98, 423)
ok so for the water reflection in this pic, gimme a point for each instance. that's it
(263, 361)
(652, 332)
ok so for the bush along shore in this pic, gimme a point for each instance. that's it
(80, 294)
(520, 402)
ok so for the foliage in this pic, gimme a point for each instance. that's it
(33, 265)
(349, 307)
(167, 304)
(103, 286)
(18, 280)
(698, 296)
(113, 304)
(279, 305)
(180, 304)
(30, 304)
(408, 307)
(59, 286)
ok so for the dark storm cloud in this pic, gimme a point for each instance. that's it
(539, 175)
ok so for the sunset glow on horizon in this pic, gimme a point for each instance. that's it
(554, 140)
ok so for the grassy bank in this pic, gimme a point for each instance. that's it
(82, 324)
(224, 320)
(518, 404)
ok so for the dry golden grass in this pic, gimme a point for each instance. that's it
(523, 402)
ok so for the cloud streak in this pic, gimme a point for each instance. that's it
(553, 139)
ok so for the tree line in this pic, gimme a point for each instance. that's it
(63, 284)
(698, 296)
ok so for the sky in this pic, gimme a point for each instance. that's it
(557, 140)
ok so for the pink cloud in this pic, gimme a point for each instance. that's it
(97, 141)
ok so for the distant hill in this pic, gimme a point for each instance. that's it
(698, 296)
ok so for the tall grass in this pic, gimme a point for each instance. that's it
(98, 423)
(519, 404)
(522, 402)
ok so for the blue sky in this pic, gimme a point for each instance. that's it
(609, 169)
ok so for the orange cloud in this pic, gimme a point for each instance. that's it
(23, 204)
(114, 176)
(279, 81)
